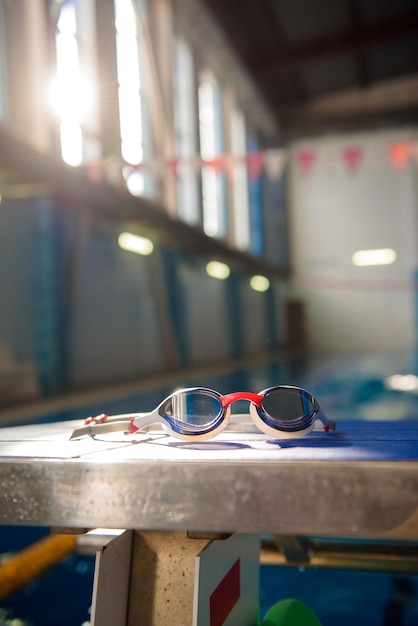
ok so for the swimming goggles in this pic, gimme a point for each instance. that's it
(197, 413)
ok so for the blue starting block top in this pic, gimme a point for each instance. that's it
(359, 441)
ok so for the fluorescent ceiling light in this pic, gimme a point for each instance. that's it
(135, 243)
(259, 283)
(219, 270)
(384, 256)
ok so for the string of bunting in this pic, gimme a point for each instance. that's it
(400, 154)
(273, 162)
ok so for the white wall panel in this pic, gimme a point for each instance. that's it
(334, 212)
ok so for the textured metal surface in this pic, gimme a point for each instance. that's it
(243, 485)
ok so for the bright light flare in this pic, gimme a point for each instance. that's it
(71, 143)
(402, 382)
(71, 99)
(134, 181)
(135, 243)
(383, 256)
(216, 269)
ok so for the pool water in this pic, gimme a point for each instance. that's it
(344, 598)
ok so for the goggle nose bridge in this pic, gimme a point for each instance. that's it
(227, 400)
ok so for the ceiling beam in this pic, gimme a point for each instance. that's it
(352, 40)
(389, 95)
(276, 41)
(300, 126)
(257, 31)
(360, 59)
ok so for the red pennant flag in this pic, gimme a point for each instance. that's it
(399, 154)
(173, 166)
(306, 160)
(352, 158)
(216, 163)
(255, 165)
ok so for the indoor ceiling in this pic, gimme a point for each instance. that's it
(328, 65)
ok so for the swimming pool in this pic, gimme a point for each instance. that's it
(348, 388)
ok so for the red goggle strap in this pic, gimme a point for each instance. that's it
(227, 400)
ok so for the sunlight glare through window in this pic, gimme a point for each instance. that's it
(129, 82)
(134, 181)
(70, 96)
(212, 190)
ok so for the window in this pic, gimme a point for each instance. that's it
(257, 246)
(211, 146)
(72, 92)
(130, 104)
(135, 142)
(240, 206)
(186, 133)
(67, 84)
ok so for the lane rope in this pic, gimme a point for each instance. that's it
(19, 569)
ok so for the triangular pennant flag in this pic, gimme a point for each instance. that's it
(173, 166)
(352, 158)
(216, 163)
(306, 160)
(399, 154)
(275, 162)
(255, 165)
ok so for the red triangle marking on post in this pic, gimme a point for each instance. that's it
(225, 596)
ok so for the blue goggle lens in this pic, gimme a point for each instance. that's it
(288, 405)
(190, 411)
(288, 408)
